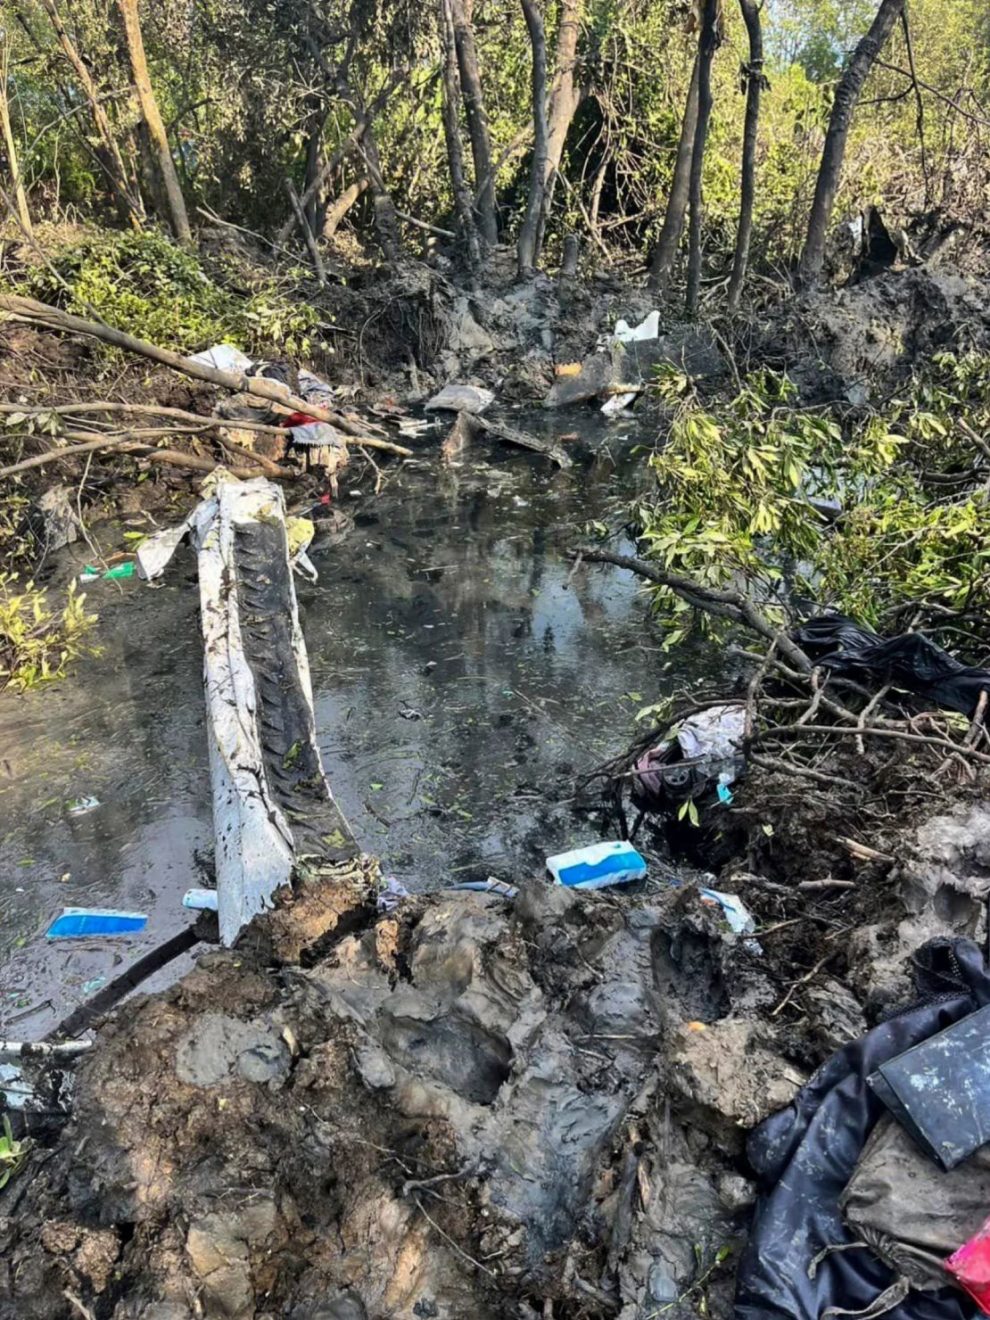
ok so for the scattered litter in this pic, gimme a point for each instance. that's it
(617, 403)
(225, 357)
(82, 806)
(411, 428)
(78, 923)
(200, 900)
(734, 911)
(701, 754)
(91, 987)
(489, 886)
(937, 1091)
(91, 574)
(410, 713)
(647, 329)
(567, 369)
(970, 1266)
(912, 661)
(391, 894)
(597, 866)
(806, 1155)
(461, 398)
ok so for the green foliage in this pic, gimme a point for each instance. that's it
(12, 1153)
(37, 640)
(147, 286)
(734, 483)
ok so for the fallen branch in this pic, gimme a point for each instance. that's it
(40, 1049)
(523, 440)
(874, 731)
(136, 442)
(724, 604)
(307, 233)
(285, 403)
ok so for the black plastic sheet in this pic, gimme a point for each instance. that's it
(805, 1155)
(911, 661)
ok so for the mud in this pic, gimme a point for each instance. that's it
(462, 1108)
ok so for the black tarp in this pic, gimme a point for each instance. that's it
(911, 661)
(805, 1155)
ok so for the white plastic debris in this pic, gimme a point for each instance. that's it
(617, 403)
(647, 329)
(735, 912)
(200, 900)
(461, 398)
(225, 357)
(597, 866)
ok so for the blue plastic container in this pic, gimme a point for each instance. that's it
(597, 866)
(81, 923)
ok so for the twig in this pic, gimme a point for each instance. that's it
(307, 233)
(421, 224)
(805, 979)
(863, 851)
(805, 771)
(77, 1305)
(424, 1184)
(811, 886)
(40, 1049)
(447, 1238)
(875, 731)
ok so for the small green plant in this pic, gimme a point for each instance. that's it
(37, 641)
(147, 286)
(12, 1153)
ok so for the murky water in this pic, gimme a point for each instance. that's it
(463, 673)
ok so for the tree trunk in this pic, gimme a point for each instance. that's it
(532, 225)
(565, 97)
(130, 205)
(846, 96)
(662, 263)
(386, 216)
(747, 192)
(339, 208)
(477, 120)
(707, 42)
(151, 116)
(14, 169)
(452, 134)
(314, 162)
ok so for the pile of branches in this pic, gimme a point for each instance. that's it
(861, 745)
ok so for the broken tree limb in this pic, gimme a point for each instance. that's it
(126, 443)
(523, 440)
(39, 1049)
(724, 604)
(53, 318)
(307, 233)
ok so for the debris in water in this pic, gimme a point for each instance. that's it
(82, 806)
(79, 923)
(200, 900)
(461, 398)
(734, 910)
(597, 866)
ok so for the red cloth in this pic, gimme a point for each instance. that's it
(970, 1266)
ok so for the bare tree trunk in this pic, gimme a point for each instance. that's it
(452, 134)
(707, 42)
(339, 208)
(846, 95)
(565, 97)
(150, 114)
(477, 120)
(529, 234)
(13, 166)
(113, 159)
(386, 216)
(747, 192)
(662, 262)
(314, 161)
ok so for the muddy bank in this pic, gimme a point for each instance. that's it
(463, 1106)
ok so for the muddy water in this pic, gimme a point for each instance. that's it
(462, 675)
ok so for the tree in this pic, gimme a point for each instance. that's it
(452, 135)
(477, 120)
(665, 253)
(846, 96)
(708, 39)
(109, 154)
(755, 81)
(566, 94)
(532, 225)
(152, 121)
(13, 166)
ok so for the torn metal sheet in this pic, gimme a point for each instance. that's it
(272, 804)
